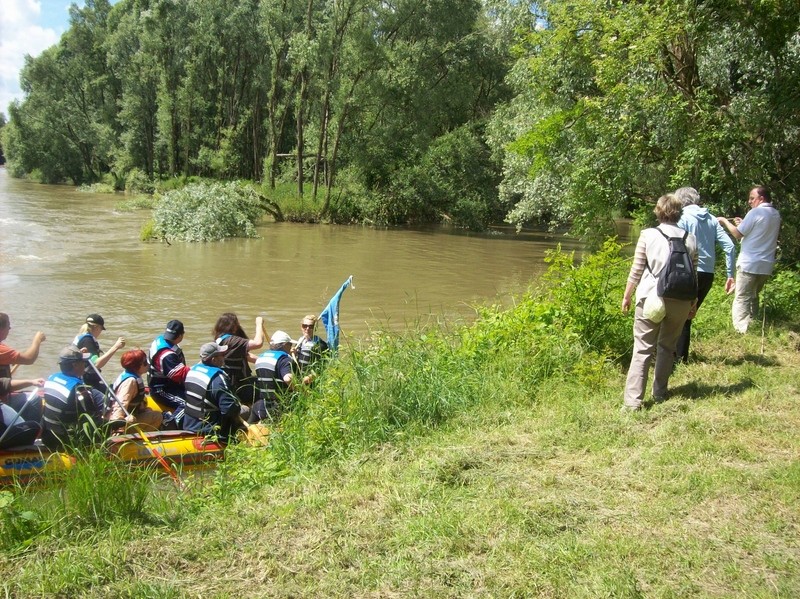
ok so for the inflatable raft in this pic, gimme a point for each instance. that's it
(181, 449)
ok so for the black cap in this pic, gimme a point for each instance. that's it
(174, 330)
(96, 319)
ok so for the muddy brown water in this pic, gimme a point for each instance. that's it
(65, 254)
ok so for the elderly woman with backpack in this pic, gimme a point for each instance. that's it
(664, 276)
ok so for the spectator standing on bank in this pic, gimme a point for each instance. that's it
(707, 232)
(758, 233)
(651, 338)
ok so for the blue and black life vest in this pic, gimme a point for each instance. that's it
(198, 382)
(270, 386)
(63, 403)
(309, 351)
(157, 376)
(140, 394)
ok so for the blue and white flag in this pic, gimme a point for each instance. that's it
(330, 316)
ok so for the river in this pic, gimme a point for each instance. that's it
(65, 254)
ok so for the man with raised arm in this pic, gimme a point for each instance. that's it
(758, 233)
(10, 357)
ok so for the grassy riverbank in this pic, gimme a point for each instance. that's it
(489, 460)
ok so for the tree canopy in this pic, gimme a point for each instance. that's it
(559, 111)
(617, 102)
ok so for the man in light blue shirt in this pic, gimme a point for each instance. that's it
(708, 232)
(758, 231)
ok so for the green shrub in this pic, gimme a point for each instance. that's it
(781, 295)
(37, 176)
(207, 212)
(140, 202)
(148, 231)
(19, 524)
(586, 298)
(96, 188)
(137, 181)
(99, 489)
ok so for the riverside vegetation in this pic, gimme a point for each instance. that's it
(466, 112)
(482, 459)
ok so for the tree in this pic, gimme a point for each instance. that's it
(618, 102)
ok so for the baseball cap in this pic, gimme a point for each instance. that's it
(174, 330)
(209, 350)
(96, 319)
(280, 337)
(72, 354)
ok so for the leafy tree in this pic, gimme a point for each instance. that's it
(618, 102)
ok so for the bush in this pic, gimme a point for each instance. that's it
(18, 525)
(96, 188)
(132, 203)
(148, 231)
(137, 181)
(207, 212)
(782, 294)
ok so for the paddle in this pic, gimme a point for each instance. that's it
(19, 414)
(147, 442)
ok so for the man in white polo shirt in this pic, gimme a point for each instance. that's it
(758, 232)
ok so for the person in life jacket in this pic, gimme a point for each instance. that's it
(228, 331)
(86, 341)
(211, 406)
(309, 349)
(167, 371)
(131, 402)
(73, 410)
(275, 370)
(23, 430)
(10, 357)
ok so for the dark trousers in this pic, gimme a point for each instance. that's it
(704, 281)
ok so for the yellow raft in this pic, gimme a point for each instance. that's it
(180, 450)
(175, 449)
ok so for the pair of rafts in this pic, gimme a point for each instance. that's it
(167, 451)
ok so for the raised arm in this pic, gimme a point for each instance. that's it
(258, 339)
(103, 360)
(29, 355)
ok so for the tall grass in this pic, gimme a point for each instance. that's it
(95, 492)
(403, 384)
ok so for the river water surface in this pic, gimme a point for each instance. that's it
(65, 254)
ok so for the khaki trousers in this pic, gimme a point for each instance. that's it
(745, 302)
(651, 339)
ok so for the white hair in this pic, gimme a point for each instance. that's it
(687, 196)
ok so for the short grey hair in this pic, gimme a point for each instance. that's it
(687, 196)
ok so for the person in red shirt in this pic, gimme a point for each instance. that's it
(10, 357)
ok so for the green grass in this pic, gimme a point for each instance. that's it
(490, 460)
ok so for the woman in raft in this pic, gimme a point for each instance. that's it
(227, 331)
(129, 390)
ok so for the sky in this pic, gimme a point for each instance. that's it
(27, 27)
